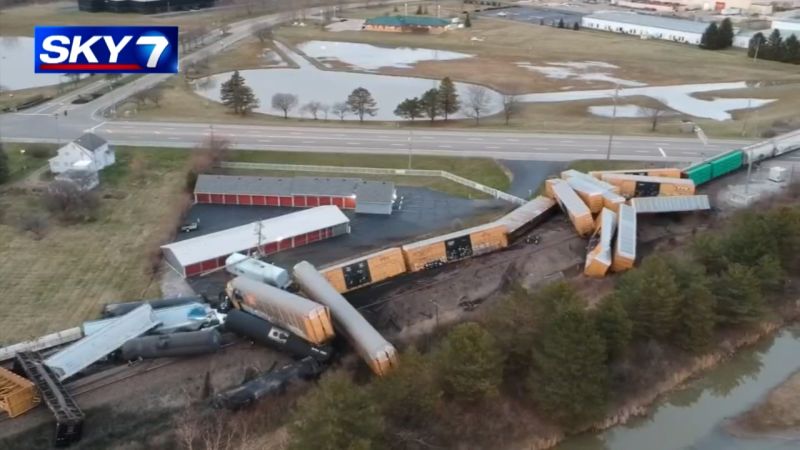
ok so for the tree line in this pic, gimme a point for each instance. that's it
(717, 37)
(552, 354)
(774, 47)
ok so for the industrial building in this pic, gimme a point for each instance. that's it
(142, 6)
(363, 196)
(206, 253)
(407, 24)
(647, 26)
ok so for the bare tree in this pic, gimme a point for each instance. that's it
(73, 77)
(71, 203)
(313, 108)
(154, 94)
(262, 31)
(211, 151)
(324, 109)
(340, 109)
(654, 114)
(284, 102)
(478, 101)
(510, 106)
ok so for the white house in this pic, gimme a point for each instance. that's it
(91, 152)
(85, 178)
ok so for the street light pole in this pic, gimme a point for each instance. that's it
(613, 120)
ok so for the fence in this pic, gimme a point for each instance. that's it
(378, 171)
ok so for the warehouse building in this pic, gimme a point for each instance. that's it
(363, 196)
(206, 253)
(647, 26)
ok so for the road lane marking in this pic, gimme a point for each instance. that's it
(493, 147)
(445, 146)
(353, 143)
(157, 132)
(396, 145)
(306, 142)
(512, 140)
(663, 154)
(264, 140)
(474, 139)
(172, 138)
(642, 151)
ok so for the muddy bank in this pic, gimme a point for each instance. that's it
(776, 416)
(641, 403)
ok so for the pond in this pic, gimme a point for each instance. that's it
(16, 66)
(693, 417)
(309, 83)
(679, 98)
(370, 57)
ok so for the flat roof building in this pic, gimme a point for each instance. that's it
(407, 24)
(364, 196)
(206, 253)
(647, 26)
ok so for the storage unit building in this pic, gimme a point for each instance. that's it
(364, 196)
(439, 250)
(365, 270)
(647, 26)
(206, 253)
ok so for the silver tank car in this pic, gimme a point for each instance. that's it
(368, 343)
(176, 344)
(242, 265)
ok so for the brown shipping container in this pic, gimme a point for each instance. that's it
(17, 394)
(641, 186)
(548, 188)
(669, 172)
(454, 246)
(621, 263)
(366, 270)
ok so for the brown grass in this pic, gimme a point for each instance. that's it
(61, 280)
(777, 412)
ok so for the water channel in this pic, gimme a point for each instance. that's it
(693, 417)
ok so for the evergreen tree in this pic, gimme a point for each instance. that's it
(361, 103)
(467, 22)
(448, 97)
(569, 381)
(695, 318)
(725, 35)
(614, 325)
(649, 295)
(710, 37)
(561, 23)
(336, 415)
(576, 26)
(419, 10)
(774, 46)
(469, 363)
(5, 171)
(430, 103)
(410, 108)
(236, 95)
(409, 394)
(756, 44)
(739, 299)
(708, 249)
(770, 273)
(791, 51)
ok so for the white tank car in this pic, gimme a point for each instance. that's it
(368, 343)
(249, 267)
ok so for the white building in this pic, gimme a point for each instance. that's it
(85, 178)
(787, 23)
(89, 152)
(647, 26)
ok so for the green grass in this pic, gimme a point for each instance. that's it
(20, 165)
(483, 170)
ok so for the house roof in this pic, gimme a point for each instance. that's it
(245, 237)
(375, 192)
(408, 21)
(90, 141)
(649, 20)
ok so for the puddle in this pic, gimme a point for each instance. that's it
(580, 70)
(328, 87)
(678, 98)
(16, 69)
(369, 57)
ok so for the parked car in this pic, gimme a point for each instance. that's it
(191, 226)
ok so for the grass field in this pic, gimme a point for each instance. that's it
(21, 164)
(64, 278)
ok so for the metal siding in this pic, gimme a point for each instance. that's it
(287, 201)
(272, 247)
(202, 198)
(272, 200)
(259, 200)
(350, 203)
(338, 201)
(300, 240)
(284, 244)
(193, 269)
(230, 199)
(312, 200)
(374, 208)
(218, 199)
(324, 201)
(670, 204)
(245, 200)
(299, 201)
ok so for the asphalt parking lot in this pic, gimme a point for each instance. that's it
(528, 176)
(539, 16)
(424, 213)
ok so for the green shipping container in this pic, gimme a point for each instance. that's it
(726, 163)
(700, 174)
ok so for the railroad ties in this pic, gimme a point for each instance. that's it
(69, 417)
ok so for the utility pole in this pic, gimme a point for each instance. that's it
(613, 120)
(749, 171)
